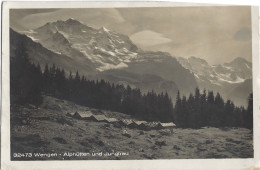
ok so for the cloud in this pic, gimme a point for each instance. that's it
(243, 34)
(90, 16)
(148, 38)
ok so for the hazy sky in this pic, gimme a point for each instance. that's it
(217, 34)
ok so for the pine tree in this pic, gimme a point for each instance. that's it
(219, 110)
(77, 77)
(249, 112)
(25, 79)
(203, 109)
(179, 120)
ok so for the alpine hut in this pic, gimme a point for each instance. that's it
(141, 125)
(167, 125)
(124, 122)
(87, 115)
(100, 118)
(111, 120)
(152, 125)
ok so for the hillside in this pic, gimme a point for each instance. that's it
(145, 82)
(47, 129)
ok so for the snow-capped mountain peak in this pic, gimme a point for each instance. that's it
(104, 29)
(236, 71)
(105, 48)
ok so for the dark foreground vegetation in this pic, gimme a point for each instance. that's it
(208, 110)
(28, 82)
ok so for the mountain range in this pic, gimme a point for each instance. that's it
(105, 54)
(233, 80)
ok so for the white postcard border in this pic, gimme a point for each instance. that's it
(120, 164)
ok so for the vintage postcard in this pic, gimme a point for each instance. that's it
(90, 85)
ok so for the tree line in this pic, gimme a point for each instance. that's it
(205, 109)
(28, 82)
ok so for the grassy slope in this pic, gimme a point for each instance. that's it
(47, 129)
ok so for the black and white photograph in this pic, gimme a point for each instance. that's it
(139, 83)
